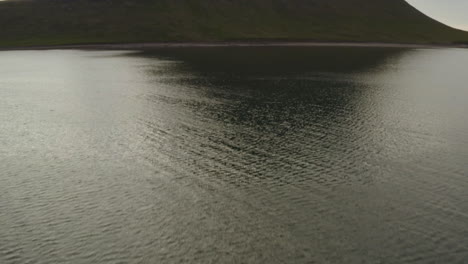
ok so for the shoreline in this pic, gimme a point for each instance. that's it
(156, 45)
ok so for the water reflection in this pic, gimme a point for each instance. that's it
(332, 155)
(301, 116)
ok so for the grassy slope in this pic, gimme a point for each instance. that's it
(50, 22)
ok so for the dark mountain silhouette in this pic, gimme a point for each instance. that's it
(48, 22)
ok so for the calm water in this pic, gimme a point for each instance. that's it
(234, 155)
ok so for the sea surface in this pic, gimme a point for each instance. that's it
(234, 155)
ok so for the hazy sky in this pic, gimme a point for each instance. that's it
(450, 12)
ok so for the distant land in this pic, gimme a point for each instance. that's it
(63, 22)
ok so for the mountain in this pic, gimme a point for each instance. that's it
(52, 22)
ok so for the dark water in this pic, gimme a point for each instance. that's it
(234, 155)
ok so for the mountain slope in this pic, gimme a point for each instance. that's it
(46, 22)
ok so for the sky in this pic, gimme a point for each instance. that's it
(451, 12)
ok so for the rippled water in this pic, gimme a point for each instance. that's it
(234, 155)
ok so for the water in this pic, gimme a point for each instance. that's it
(234, 155)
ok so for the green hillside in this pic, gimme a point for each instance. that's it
(51, 22)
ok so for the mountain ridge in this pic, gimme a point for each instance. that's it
(59, 22)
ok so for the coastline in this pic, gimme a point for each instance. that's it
(156, 45)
